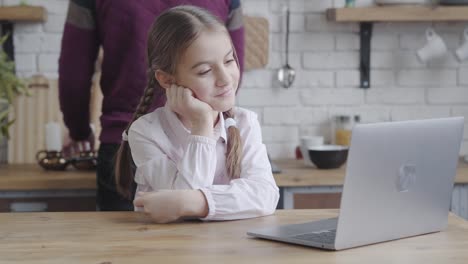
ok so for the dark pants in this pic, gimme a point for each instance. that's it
(108, 199)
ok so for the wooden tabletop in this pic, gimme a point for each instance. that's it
(130, 237)
(294, 173)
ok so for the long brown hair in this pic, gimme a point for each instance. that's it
(169, 36)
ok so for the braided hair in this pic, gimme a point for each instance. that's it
(170, 35)
(124, 159)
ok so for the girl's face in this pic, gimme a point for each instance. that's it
(209, 69)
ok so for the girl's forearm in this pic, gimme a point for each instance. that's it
(194, 204)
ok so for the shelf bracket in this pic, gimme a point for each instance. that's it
(366, 35)
(7, 28)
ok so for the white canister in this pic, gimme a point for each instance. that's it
(53, 137)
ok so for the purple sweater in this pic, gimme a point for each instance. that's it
(120, 27)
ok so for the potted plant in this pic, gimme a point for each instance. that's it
(10, 87)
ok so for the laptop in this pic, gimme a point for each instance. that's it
(399, 181)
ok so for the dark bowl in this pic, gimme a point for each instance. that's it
(328, 156)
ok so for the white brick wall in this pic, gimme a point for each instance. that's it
(427, 77)
(37, 45)
(326, 58)
(331, 60)
(294, 116)
(401, 113)
(395, 96)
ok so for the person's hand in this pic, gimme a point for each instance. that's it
(167, 206)
(73, 148)
(163, 206)
(182, 101)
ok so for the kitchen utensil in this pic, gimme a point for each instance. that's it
(256, 42)
(286, 74)
(328, 156)
(87, 160)
(51, 160)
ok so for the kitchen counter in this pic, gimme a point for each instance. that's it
(301, 187)
(31, 177)
(130, 237)
(25, 188)
(305, 187)
(294, 174)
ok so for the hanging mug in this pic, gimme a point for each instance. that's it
(462, 51)
(434, 48)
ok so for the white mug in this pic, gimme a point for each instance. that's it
(434, 48)
(462, 51)
(306, 143)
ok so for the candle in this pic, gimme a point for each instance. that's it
(53, 137)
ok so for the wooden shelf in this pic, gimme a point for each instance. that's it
(366, 16)
(403, 13)
(23, 13)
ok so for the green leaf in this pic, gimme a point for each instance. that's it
(10, 87)
(4, 114)
(11, 122)
(4, 38)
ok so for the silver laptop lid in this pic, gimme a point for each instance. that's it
(399, 180)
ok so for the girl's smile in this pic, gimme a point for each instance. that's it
(226, 93)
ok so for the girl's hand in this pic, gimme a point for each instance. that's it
(163, 206)
(170, 205)
(182, 101)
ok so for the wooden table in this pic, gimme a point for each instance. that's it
(130, 237)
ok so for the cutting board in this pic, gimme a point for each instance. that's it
(256, 42)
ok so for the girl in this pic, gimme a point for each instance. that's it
(198, 156)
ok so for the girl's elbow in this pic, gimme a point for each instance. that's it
(271, 204)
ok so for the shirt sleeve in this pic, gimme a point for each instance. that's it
(235, 26)
(78, 54)
(156, 169)
(255, 193)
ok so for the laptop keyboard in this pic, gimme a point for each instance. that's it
(325, 236)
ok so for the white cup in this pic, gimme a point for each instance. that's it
(306, 143)
(434, 48)
(462, 51)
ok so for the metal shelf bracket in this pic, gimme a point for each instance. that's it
(366, 35)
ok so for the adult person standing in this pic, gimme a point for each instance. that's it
(120, 27)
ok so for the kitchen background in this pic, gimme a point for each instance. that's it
(326, 58)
